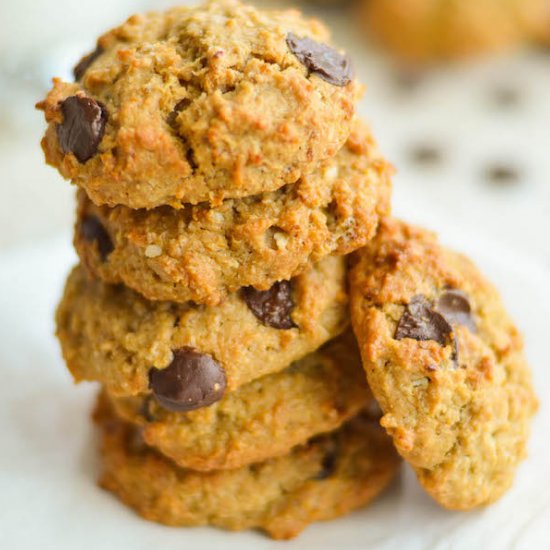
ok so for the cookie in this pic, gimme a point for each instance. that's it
(324, 479)
(188, 355)
(445, 362)
(203, 253)
(200, 104)
(262, 419)
(423, 31)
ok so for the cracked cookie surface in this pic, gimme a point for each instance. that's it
(445, 363)
(203, 253)
(113, 335)
(326, 478)
(200, 104)
(263, 419)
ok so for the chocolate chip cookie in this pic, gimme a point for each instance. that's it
(190, 355)
(203, 253)
(445, 362)
(435, 30)
(326, 478)
(262, 419)
(200, 104)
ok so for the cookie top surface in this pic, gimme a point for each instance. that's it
(445, 363)
(200, 104)
(423, 31)
(262, 419)
(111, 334)
(202, 253)
(323, 479)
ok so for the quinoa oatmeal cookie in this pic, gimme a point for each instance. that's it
(203, 253)
(200, 104)
(262, 419)
(445, 363)
(326, 478)
(188, 354)
(423, 31)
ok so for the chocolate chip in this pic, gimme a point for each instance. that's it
(272, 307)
(191, 381)
(321, 59)
(92, 230)
(178, 108)
(82, 128)
(455, 307)
(82, 66)
(421, 322)
(328, 464)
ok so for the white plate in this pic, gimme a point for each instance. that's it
(48, 467)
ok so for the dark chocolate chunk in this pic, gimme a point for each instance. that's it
(191, 381)
(180, 106)
(328, 464)
(92, 230)
(82, 128)
(82, 66)
(421, 322)
(426, 155)
(455, 307)
(272, 307)
(322, 60)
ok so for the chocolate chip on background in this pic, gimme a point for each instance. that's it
(502, 175)
(180, 106)
(82, 66)
(455, 307)
(425, 155)
(92, 230)
(272, 307)
(322, 60)
(421, 322)
(82, 128)
(191, 381)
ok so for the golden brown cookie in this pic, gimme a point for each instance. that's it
(190, 354)
(445, 362)
(262, 419)
(200, 104)
(203, 253)
(423, 31)
(324, 479)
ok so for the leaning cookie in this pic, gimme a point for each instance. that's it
(263, 419)
(203, 253)
(423, 31)
(190, 355)
(445, 362)
(324, 479)
(200, 104)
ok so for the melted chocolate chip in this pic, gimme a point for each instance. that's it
(328, 464)
(82, 128)
(92, 230)
(421, 322)
(178, 108)
(191, 381)
(321, 59)
(455, 307)
(272, 307)
(82, 66)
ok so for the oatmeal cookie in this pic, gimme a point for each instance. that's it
(200, 104)
(203, 253)
(190, 355)
(445, 362)
(324, 479)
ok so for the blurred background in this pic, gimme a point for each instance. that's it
(470, 140)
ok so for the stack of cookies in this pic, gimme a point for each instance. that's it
(224, 178)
